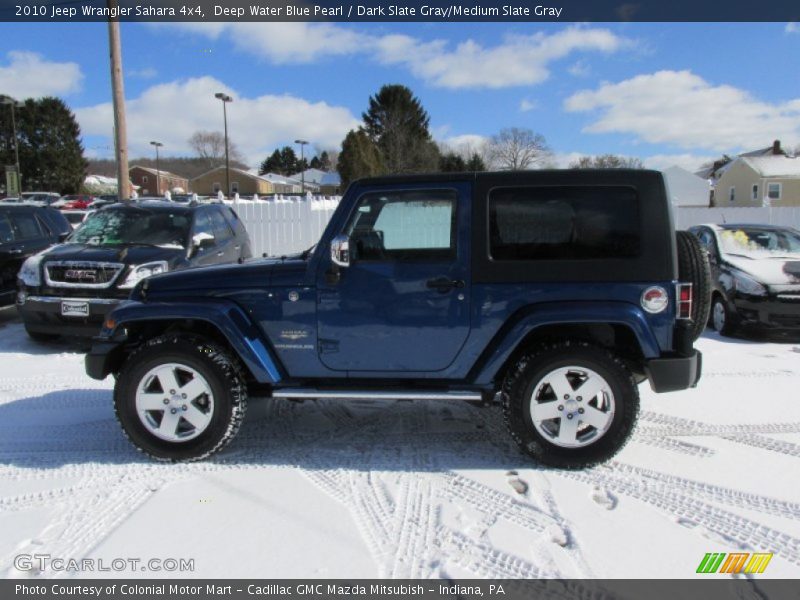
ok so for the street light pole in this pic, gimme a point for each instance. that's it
(302, 164)
(158, 167)
(13, 103)
(225, 99)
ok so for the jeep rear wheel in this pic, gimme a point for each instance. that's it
(570, 405)
(180, 398)
(694, 268)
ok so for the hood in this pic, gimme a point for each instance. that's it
(771, 271)
(129, 255)
(259, 273)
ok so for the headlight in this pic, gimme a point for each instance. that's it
(144, 271)
(747, 285)
(29, 273)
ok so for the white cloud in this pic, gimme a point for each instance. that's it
(29, 75)
(682, 109)
(792, 27)
(172, 112)
(526, 105)
(466, 143)
(517, 60)
(146, 73)
(688, 161)
(281, 43)
(579, 69)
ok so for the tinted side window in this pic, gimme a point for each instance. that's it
(202, 227)
(405, 225)
(6, 229)
(26, 227)
(222, 230)
(552, 223)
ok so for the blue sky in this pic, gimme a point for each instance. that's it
(668, 93)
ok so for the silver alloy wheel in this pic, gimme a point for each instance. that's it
(572, 407)
(174, 402)
(718, 315)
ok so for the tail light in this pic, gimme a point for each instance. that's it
(655, 299)
(684, 293)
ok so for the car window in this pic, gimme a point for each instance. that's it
(203, 230)
(26, 227)
(6, 230)
(557, 223)
(405, 225)
(222, 230)
(134, 226)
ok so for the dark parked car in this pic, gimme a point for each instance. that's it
(70, 288)
(24, 231)
(756, 275)
(40, 198)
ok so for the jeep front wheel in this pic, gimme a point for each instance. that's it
(570, 405)
(180, 398)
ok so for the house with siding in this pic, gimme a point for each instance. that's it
(151, 182)
(771, 180)
(244, 183)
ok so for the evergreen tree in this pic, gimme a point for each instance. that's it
(289, 163)
(271, 164)
(360, 157)
(475, 163)
(397, 124)
(325, 161)
(452, 163)
(50, 149)
(315, 163)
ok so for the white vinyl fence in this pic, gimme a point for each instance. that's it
(286, 224)
(687, 216)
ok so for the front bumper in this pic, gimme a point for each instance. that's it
(42, 314)
(101, 359)
(774, 312)
(674, 373)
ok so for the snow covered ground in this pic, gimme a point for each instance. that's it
(403, 489)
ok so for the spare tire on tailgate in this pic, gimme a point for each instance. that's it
(694, 268)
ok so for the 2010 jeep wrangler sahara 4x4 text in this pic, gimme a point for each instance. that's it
(556, 292)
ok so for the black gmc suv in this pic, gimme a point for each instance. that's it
(69, 289)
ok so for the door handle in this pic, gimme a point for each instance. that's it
(444, 284)
(220, 253)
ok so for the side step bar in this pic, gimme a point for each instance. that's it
(375, 394)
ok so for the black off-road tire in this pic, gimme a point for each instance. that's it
(694, 268)
(532, 367)
(730, 324)
(223, 374)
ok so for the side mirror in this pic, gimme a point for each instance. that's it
(340, 251)
(203, 240)
(62, 237)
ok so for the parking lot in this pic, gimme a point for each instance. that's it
(402, 489)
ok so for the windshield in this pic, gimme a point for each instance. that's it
(761, 243)
(134, 226)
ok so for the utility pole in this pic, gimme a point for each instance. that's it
(158, 167)
(14, 103)
(302, 164)
(225, 99)
(118, 94)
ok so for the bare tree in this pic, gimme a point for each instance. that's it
(516, 148)
(607, 161)
(210, 146)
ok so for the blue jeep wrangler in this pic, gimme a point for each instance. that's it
(553, 292)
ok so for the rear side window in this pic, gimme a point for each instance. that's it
(6, 229)
(222, 230)
(26, 227)
(554, 223)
